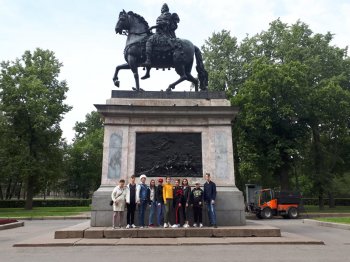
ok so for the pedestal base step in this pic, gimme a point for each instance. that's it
(85, 231)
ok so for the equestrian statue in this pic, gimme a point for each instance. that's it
(161, 49)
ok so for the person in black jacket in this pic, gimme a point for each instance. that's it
(160, 202)
(209, 199)
(178, 194)
(186, 201)
(197, 196)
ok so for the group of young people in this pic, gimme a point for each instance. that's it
(163, 201)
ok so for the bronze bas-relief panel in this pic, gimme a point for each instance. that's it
(168, 154)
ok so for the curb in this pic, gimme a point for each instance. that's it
(326, 224)
(11, 225)
(50, 218)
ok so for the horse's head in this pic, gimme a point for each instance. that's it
(123, 23)
(131, 22)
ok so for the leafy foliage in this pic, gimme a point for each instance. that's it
(32, 106)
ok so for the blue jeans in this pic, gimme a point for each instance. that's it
(160, 212)
(152, 211)
(142, 209)
(211, 213)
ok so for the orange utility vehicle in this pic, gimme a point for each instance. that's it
(266, 203)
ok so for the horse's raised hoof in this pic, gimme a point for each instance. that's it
(145, 76)
(116, 83)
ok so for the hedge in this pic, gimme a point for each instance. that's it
(314, 201)
(46, 203)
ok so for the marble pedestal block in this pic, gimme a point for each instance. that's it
(207, 113)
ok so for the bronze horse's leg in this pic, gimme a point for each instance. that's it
(193, 80)
(115, 77)
(132, 61)
(180, 70)
(147, 75)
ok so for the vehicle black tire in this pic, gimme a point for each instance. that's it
(293, 213)
(266, 213)
(258, 215)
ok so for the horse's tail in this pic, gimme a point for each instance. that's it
(202, 73)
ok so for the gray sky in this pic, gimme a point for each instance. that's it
(81, 33)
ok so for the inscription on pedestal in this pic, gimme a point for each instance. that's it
(168, 154)
(114, 157)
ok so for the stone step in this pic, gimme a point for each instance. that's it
(250, 230)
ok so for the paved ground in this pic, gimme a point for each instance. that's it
(336, 248)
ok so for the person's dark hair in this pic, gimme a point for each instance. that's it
(185, 179)
(207, 174)
(167, 177)
(121, 181)
(177, 180)
(150, 182)
(132, 176)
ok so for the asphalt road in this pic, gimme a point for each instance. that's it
(336, 248)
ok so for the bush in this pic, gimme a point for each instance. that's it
(46, 203)
(312, 201)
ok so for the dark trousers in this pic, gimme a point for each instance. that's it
(197, 214)
(178, 213)
(130, 214)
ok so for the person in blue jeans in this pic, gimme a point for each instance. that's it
(142, 199)
(209, 199)
(152, 202)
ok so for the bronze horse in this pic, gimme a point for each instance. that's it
(174, 53)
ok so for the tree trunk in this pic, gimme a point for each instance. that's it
(8, 189)
(284, 178)
(320, 199)
(331, 199)
(1, 195)
(19, 191)
(29, 193)
(318, 158)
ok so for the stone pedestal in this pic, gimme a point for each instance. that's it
(208, 113)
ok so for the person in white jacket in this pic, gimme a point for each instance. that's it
(118, 197)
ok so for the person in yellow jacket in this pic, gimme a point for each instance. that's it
(168, 200)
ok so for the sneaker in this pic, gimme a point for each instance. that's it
(201, 225)
(127, 226)
(166, 225)
(133, 226)
(113, 227)
(151, 225)
(175, 226)
(141, 226)
(186, 225)
(169, 225)
(194, 225)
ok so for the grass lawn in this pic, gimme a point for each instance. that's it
(42, 211)
(341, 220)
(337, 209)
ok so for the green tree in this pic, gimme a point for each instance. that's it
(32, 102)
(84, 157)
(292, 88)
(222, 61)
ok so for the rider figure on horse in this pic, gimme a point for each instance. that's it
(166, 25)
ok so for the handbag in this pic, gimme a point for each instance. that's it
(111, 202)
